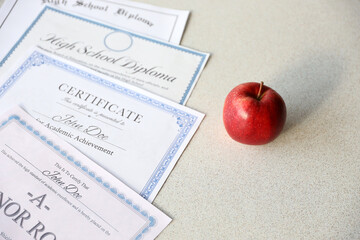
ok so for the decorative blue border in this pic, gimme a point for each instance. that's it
(78, 164)
(179, 48)
(184, 120)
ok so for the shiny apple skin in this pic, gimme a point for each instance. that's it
(250, 120)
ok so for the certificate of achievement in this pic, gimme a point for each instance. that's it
(49, 190)
(167, 70)
(157, 22)
(135, 135)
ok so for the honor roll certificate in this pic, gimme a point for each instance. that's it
(135, 135)
(49, 190)
(167, 70)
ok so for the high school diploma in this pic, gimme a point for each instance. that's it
(168, 70)
(157, 22)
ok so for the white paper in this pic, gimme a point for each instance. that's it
(5, 11)
(157, 22)
(49, 190)
(167, 70)
(135, 135)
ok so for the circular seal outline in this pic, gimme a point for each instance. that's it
(119, 50)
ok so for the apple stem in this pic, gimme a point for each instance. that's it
(260, 88)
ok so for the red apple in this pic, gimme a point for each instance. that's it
(254, 113)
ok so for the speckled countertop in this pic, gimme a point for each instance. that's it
(305, 184)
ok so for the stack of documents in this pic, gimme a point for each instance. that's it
(92, 97)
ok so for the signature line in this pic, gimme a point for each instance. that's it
(80, 131)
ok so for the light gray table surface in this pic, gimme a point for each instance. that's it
(306, 183)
